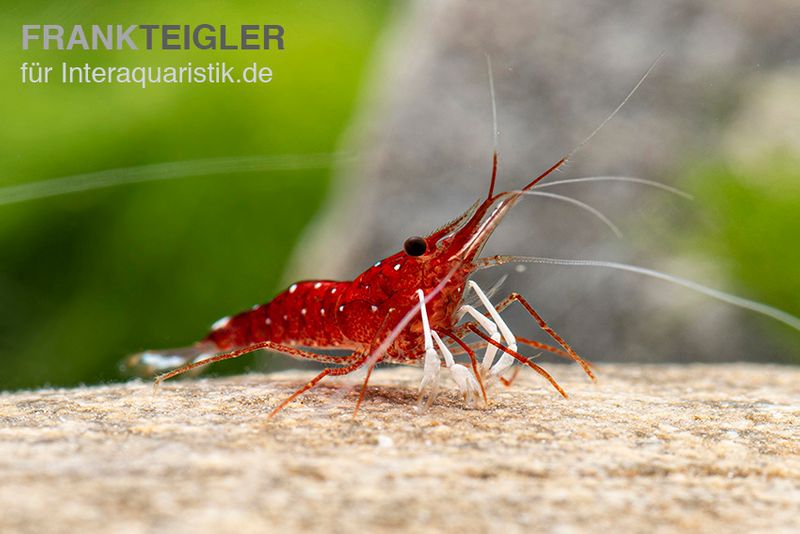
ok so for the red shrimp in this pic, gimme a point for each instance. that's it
(357, 315)
(399, 309)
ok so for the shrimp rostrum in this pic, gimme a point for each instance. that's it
(410, 308)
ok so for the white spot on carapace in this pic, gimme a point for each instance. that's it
(221, 323)
(341, 308)
(373, 308)
(397, 267)
(293, 288)
(333, 290)
(318, 285)
(377, 263)
(303, 311)
(285, 317)
(322, 312)
(268, 321)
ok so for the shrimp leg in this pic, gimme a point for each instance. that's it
(552, 333)
(568, 352)
(277, 347)
(522, 359)
(467, 384)
(333, 371)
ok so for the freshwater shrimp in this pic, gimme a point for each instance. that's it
(406, 308)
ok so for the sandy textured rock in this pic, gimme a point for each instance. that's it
(704, 448)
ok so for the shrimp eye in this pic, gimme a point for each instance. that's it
(415, 246)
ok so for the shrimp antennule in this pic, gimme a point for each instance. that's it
(588, 138)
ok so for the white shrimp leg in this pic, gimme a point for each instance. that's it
(463, 378)
(496, 328)
(491, 329)
(432, 363)
(460, 374)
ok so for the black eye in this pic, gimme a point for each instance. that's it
(415, 246)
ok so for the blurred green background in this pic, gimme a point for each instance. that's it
(748, 223)
(746, 218)
(87, 278)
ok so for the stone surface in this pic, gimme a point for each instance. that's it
(648, 448)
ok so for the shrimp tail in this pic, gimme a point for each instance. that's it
(152, 362)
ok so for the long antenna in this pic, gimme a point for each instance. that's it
(167, 171)
(747, 304)
(566, 158)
